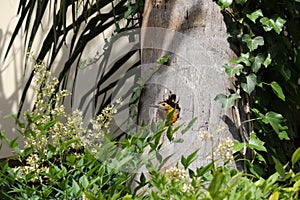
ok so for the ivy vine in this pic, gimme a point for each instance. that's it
(265, 35)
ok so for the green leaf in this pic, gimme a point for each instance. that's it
(257, 62)
(285, 72)
(187, 161)
(216, 184)
(250, 84)
(75, 188)
(237, 146)
(227, 102)
(188, 126)
(277, 90)
(162, 60)
(84, 181)
(279, 167)
(170, 133)
(275, 120)
(275, 23)
(204, 169)
(296, 156)
(253, 44)
(256, 14)
(244, 58)
(127, 197)
(233, 70)
(224, 3)
(268, 60)
(256, 143)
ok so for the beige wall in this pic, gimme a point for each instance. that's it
(11, 71)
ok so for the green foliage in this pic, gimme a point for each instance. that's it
(266, 71)
(57, 163)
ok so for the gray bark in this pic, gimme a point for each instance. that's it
(193, 35)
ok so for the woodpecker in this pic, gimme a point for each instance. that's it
(169, 105)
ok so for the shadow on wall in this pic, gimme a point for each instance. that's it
(11, 83)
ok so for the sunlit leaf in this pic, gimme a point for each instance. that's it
(233, 70)
(256, 143)
(253, 43)
(268, 60)
(275, 23)
(237, 146)
(224, 3)
(296, 156)
(256, 14)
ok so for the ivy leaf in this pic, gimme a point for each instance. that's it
(253, 44)
(256, 143)
(277, 90)
(268, 60)
(250, 84)
(275, 23)
(275, 120)
(258, 60)
(227, 102)
(244, 58)
(224, 3)
(285, 72)
(233, 70)
(256, 14)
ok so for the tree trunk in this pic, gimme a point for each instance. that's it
(193, 35)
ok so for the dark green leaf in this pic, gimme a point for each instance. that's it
(279, 167)
(250, 84)
(215, 185)
(275, 120)
(258, 61)
(277, 90)
(187, 161)
(205, 169)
